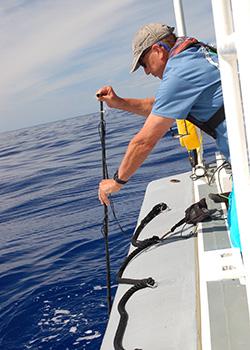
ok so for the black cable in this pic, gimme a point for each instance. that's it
(104, 229)
(195, 213)
(157, 209)
(100, 126)
(138, 284)
(123, 313)
(225, 164)
(112, 206)
(102, 131)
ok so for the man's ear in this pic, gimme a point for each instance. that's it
(157, 48)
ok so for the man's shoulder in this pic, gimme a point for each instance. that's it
(186, 58)
(190, 65)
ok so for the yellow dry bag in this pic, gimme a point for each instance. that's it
(188, 135)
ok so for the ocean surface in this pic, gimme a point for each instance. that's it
(53, 292)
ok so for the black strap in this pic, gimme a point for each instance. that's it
(197, 212)
(198, 43)
(119, 181)
(217, 118)
(212, 123)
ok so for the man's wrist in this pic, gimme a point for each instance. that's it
(119, 181)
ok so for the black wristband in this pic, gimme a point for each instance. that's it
(121, 182)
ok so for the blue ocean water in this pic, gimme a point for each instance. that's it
(52, 263)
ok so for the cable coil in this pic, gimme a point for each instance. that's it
(138, 284)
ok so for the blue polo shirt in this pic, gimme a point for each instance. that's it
(191, 84)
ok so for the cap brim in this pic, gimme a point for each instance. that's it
(135, 64)
(143, 47)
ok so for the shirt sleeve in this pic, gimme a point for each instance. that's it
(175, 98)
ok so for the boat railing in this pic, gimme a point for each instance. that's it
(181, 29)
(231, 21)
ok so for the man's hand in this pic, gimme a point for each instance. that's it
(133, 105)
(107, 187)
(108, 95)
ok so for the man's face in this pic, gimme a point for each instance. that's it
(154, 61)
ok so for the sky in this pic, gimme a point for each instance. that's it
(55, 54)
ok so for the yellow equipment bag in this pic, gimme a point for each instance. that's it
(188, 134)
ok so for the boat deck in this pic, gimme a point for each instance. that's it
(200, 300)
(224, 311)
(164, 317)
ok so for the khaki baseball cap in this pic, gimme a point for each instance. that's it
(146, 37)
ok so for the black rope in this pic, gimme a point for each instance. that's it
(138, 284)
(122, 311)
(143, 245)
(157, 209)
(102, 126)
(105, 220)
(195, 213)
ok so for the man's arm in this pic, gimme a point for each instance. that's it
(138, 150)
(141, 107)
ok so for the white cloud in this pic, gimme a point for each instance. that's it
(55, 51)
(38, 38)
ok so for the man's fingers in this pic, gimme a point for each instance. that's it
(103, 197)
(107, 187)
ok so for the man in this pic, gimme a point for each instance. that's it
(190, 86)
